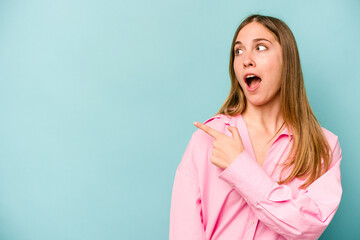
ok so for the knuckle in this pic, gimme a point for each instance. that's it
(214, 153)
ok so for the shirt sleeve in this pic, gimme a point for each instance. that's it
(304, 215)
(185, 213)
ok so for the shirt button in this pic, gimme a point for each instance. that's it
(251, 222)
(231, 184)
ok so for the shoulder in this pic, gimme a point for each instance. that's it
(330, 137)
(200, 145)
(334, 145)
(219, 122)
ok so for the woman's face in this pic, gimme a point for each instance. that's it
(258, 64)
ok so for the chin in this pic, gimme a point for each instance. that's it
(258, 102)
(255, 100)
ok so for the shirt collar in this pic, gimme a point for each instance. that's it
(287, 131)
(231, 121)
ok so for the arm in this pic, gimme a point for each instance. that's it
(304, 216)
(185, 214)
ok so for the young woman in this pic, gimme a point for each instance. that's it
(262, 168)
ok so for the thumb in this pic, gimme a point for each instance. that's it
(235, 132)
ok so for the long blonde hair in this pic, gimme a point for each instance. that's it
(310, 155)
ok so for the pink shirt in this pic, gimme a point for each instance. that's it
(244, 201)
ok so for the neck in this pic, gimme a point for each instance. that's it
(266, 117)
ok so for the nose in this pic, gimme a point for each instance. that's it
(248, 60)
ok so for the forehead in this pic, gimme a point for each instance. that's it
(255, 30)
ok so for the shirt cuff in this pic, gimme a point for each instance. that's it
(248, 178)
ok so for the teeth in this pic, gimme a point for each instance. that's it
(250, 76)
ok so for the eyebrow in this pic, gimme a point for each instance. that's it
(254, 40)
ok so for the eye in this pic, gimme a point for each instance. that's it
(238, 51)
(261, 48)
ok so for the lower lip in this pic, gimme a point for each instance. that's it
(253, 89)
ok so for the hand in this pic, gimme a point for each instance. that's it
(226, 149)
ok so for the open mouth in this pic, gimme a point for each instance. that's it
(252, 81)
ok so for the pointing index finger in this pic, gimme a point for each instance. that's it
(212, 132)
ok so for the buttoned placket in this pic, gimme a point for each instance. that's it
(251, 227)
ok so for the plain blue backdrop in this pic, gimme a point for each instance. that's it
(97, 100)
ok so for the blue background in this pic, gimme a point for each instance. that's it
(97, 100)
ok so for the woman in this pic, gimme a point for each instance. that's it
(262, 168)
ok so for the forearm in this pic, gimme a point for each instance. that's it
(304, 215)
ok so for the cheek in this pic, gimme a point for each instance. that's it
(274, 67)
(278, 64)
(238, 71)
